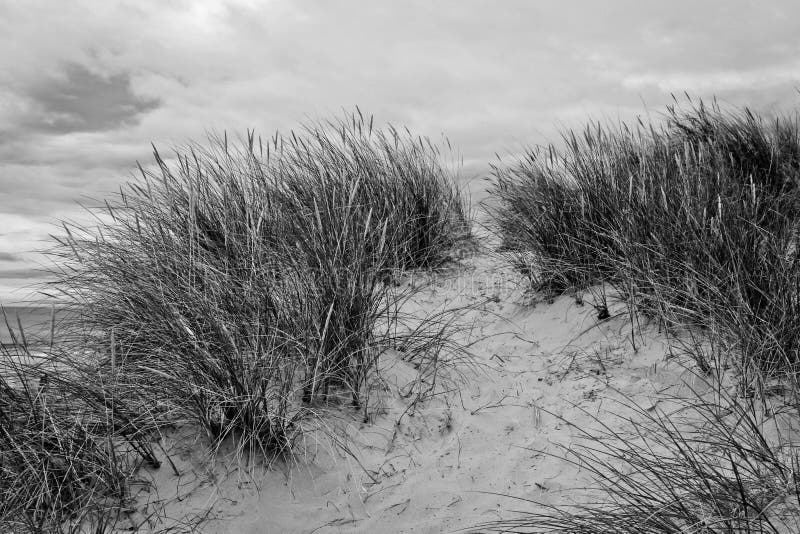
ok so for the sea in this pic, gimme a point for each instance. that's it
(35, 321)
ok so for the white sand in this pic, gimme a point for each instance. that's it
(447, 464)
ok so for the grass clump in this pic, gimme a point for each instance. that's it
(239, 286)
(710, 463)
(693, 223)
(69, 446)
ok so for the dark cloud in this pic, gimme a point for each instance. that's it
(81, 101)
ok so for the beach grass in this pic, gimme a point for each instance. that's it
(244, 289)
(707, 461)
(70, 446)
(693, 222)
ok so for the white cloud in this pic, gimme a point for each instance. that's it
(718, 81)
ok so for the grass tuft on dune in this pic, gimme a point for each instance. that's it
(240, 288)
(693, 223)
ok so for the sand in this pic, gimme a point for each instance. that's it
(459, 459)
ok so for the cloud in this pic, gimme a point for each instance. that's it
(8, 256)
(720, 81)
(78, 100)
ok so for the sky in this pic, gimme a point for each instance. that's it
(85, 87)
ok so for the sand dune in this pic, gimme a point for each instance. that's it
(464, 457)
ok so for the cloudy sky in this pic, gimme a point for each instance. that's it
(86, 86)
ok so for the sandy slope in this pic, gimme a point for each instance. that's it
(447, 464)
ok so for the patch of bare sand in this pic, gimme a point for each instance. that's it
(453, 461)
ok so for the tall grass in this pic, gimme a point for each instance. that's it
(695, 224)
(69, 445)
(694, 221)
(238, 286)
(710, 463)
